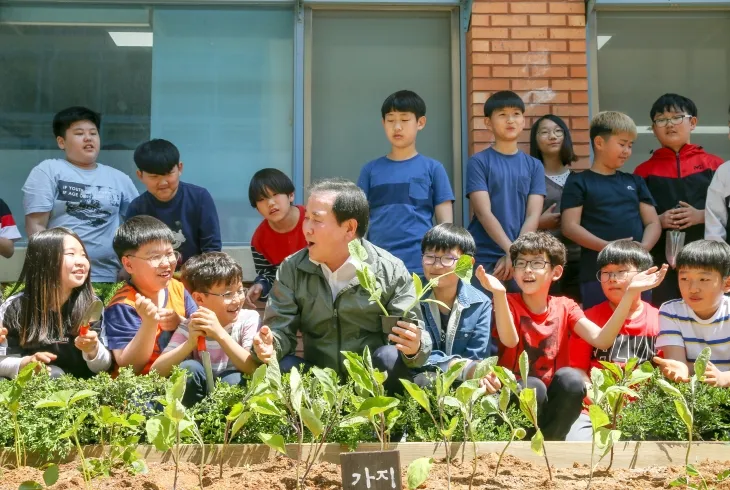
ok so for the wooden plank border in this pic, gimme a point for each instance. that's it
(562, 454)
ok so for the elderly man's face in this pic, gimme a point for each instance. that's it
(326, 240)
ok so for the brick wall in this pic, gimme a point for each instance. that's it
(537, 49)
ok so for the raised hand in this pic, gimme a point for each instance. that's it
(489, 282)
(491, 383)
(672, 369)
(263, 344)
(648, 279)
(207, 322)
(406, 337)
(168, 319)
(146, 309)
(88, 343)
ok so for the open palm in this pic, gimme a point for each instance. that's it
(489, 282)
(648, 279)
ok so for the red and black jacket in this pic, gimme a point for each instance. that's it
(672, 177)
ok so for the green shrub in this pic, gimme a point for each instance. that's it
(104, 290)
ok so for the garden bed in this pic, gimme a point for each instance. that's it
(646, 465)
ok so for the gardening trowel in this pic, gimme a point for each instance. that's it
(91, 315)
(205, 358)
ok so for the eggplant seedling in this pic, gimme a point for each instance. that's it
(10, 399)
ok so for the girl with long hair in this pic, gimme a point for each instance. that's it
(550, 142)
(43, 314)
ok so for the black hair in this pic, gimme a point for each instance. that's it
(157, 157)
(567, 155)
(268, 179)
(203, 272)
(708, 255)
(446, 236)
(502, 100)
(538, 243)
(673, 103)
(65, 118)
(625, 252)
(138, 231)
(404, 101)
(350, 202)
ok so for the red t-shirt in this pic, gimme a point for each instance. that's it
(635, 339)
(275, 246)
(543, 336)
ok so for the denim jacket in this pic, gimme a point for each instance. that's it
(468, 335)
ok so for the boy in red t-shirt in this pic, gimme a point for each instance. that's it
(279, 235)
(542, 325)
(617, 264)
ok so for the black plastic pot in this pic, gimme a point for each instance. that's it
(388, 322)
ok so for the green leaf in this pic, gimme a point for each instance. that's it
(464, 267)
(417, 394)
(701, 363)
(391, 418)
(176, 387)
(679, 482)
(356, 369)
(630, 366)
(25, 374)
(259, 376)
(683, 412)
(504, 399)
(489, 404)
(297, 391)
(274, 441)
(236, 410)
(357, 252)
(520, 433)
(524, 366)
(669, 389)
(58, 399)
(528, 404)
(691, 470)
(376, 405)
(50, 476)
(450, 401)
(484, 367)
(722, 476)
(160, 432)
(30, 485)
(449, 431)
(418, 472)
(639, 376)
(175, 410)
(466, 391)
(598, 417)
(435, 301)
(623, 390)
(80, 395)
(353, 420)
(506, 377)
(265, 406)
(139, 467)
(238, 424)
(273, 374)
(536, 442)
(452, 374)
(312, 422)
(326, 378)
(418, 285)
(613, 369)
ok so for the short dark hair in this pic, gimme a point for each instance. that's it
(447, 236)
(157, 157)
(203, 272)
(625, 252)
(65, 118)
(672, 103)
(268, 179)
(705, 254)
(138, 231)
(350, 202)
(404, 101)
(567, 154)
(537, 243)
(502, 100)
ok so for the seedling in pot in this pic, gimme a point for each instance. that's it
(11, 401)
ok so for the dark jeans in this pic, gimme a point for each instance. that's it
(386, 358)
(592, 294)
(195, 386)
(559, 405)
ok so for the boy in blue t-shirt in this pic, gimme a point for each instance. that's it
(602, 204)
(188, 210)
(404, 188)
(506, 188)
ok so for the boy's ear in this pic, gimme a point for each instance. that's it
(198, 297)
(599, 143)
(557, 273)
(61, 142)
(291, 198)
(180, 168)
(726, 284)
(127, 264)
(487, 123)
(139, 174)
(421, 122)
(692, 123)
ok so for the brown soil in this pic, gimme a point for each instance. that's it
(278, 474)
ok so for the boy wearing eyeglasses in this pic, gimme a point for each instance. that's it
(678, 175)
(542, 325)
(215, 280)
(618, 263)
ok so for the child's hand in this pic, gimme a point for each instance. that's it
(549, 220)
(3, 335)
(88, 343)
(263, 344)
(146, 308)
(168, 319)
(207, 323)
(648, 279)
(491, 383)
(503, 269)
(40, 357)
(673, 370)
(193, 333)
(253, 295)
(715, 377)
(489, 282)
(686, 216)
(406, 337)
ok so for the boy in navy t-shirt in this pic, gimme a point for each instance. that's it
(602, 204)
(404, 188)
(506, 188)
(187, 209)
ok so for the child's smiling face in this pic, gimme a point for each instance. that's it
(534, 274)
(702, 290)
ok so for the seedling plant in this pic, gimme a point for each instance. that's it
(122, 445)
(10, 400)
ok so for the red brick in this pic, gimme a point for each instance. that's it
(577, 84)
(491, 84)
(480, 19)
(549, 71)
(577, 46)
(489, 32)
(489, 7)
(567, 7)
(580, 136)
(528, 7)
(578, 71)
(548, 45)
(576, 20)
(556, 97)
(529, 33)
(478, 123)
(579, 97)
(529, 59)
(536, 110)
(510, 71)
(479, 45)
(529, 84)
(478, 71)
(524, 137)
(509, 20)
(582, 150)
(483, 136)
(567, 33)
(490, 59)
(583, 163)
(568, 59)
(479, 97)
(477, 147)
(571, 110)
(510, 46)
(580, 123)
(547, 20)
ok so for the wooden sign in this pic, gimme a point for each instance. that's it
(378, 470)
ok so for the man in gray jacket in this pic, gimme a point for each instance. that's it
(318, 294)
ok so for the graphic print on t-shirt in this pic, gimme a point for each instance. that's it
(178, 238)
(625, 347)
(84, 202)
(542, 349)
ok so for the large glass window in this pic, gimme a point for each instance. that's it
(642, 55)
